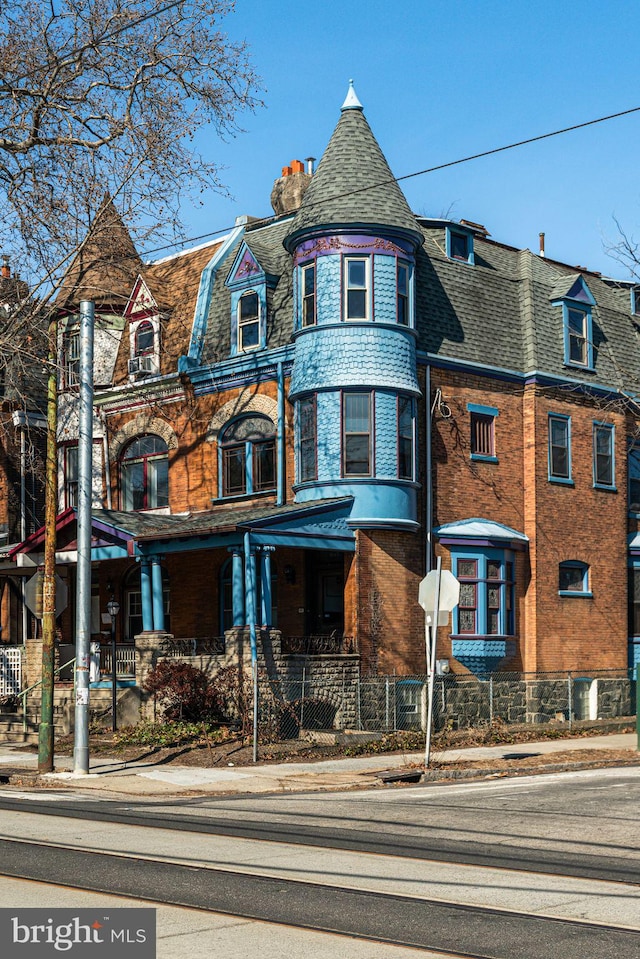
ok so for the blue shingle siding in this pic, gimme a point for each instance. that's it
(328, 416)
(328, 289)
(386, 434)
(352, 355)
(384, 289)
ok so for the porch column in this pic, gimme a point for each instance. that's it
(237, 586)
(156, 592)
(145, 595)
(265, 583)
(253, 605)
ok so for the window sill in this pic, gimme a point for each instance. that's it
(474, 637)
(575, 594)
(579, 366)
(242, 496)
(480, 458)
(605, 489)
(560, 481)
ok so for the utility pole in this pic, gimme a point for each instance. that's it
(83, 605)
(45, 731)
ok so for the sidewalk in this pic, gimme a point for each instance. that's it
(112, 778)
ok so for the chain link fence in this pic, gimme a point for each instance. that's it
(396, 703)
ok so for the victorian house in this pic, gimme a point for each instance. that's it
(293, 420)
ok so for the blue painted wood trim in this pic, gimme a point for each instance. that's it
(483, 410)
(156, 594)
(145, 595)
(280, 466)
(250, 597)
(203, 302)
(237, 587)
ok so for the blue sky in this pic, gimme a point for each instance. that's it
(442, 80)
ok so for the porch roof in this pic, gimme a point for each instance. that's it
(320, 524)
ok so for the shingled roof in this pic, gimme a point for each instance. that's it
(105, 268)
(353, 184)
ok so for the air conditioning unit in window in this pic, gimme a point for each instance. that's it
(142, 366)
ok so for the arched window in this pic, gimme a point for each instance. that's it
(144, 339)
(248, 456)
(144, 474)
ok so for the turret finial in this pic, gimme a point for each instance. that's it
(351, 102)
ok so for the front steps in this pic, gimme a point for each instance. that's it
(12, 729)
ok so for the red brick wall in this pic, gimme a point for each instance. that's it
(562, 522)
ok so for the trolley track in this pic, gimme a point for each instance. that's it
(445, 927)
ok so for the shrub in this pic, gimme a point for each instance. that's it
(185, 693)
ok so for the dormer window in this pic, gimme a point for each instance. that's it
(577, 337)
(144, 339)
(248, 322)
(576, 300)
(635, 300)
(459, 244)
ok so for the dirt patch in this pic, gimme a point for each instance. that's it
(235, 751)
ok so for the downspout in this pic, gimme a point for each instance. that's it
(280, 436)
(105, 453)
(428, 480)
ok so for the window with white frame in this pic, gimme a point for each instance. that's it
(248, 456)
(71, 475)
(578, 336)
(603, 455)
(487, 588)
(559, 448)
(72, 357)
(308, 286)
(573, 578)
(144, 339)
(356, 434)
(356, 288)
(144, 474)
(248, 321)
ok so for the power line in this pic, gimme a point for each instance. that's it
(432, 169)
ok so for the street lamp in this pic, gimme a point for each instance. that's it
(113, 608)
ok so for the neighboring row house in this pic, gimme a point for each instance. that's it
(293, 421)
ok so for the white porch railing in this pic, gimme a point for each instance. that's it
(125, 662)
(10, 670)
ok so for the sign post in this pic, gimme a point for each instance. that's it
(438, 593)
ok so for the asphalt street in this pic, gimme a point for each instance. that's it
(343, 862)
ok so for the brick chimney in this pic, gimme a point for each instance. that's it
(289, 189)
(5, 272)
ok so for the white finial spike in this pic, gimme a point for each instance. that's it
(352, 102)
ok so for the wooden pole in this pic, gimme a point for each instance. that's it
(45, 732)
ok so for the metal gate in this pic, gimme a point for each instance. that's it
(10, 670)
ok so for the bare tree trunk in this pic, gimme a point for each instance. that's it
(45, 734)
